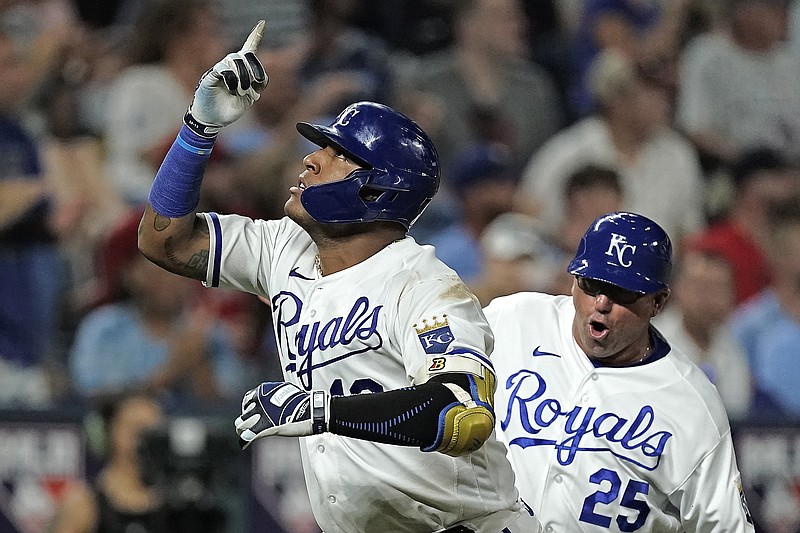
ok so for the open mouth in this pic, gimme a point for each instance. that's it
(597, 330)
(299, 187)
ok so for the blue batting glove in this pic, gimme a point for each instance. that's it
(274, 408)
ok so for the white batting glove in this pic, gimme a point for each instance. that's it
(228, 89)
(278, 408)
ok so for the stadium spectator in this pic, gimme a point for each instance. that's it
(343, 58)
(659, 170)
(760, 178)
(484, 184)
(742, 89)
(173, 42)
(69, 99)
(31, 264)
(642, 31)
(486, 86)
(768, 325)
(151, 333)
(589, 192)
(118, 499)
(696, 321)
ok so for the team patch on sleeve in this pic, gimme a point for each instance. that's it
(434, 335)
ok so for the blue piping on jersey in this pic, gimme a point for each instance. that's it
(485, 360)
(217, 249)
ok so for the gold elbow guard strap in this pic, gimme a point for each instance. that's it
(466, 424)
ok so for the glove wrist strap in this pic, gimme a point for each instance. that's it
(319, 412)
(203, 130)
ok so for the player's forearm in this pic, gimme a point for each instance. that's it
(180, 245)
(451, 413)
(429, 416)
(170, 234)
(406, 417)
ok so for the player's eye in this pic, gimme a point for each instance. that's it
(339, 154)
(593, 287)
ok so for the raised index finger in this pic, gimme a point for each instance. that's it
(251, 44)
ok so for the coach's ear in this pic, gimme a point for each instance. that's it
(659, 301)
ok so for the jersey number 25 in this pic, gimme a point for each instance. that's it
(606, 497)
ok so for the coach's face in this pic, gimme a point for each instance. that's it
(322, 166)
(611, 324)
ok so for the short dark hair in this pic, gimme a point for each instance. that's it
(756, 160)
(592, 175)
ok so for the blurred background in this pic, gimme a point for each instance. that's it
(119, 382)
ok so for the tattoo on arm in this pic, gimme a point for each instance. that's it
(160, 222)
(197, 265)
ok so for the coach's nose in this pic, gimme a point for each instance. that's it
(603, 303)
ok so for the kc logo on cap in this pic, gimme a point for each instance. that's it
(618, 246)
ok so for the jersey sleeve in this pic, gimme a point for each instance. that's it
(712, 500)
(442, 329)
(240, 252)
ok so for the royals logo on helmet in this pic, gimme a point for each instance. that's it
(618, 246)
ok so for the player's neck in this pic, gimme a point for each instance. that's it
(336, 255)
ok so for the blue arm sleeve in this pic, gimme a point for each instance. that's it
(176, 188)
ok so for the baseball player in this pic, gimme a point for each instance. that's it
(608, 427)
(359, 307)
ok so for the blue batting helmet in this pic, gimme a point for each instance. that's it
(627, 250)
(401, 173)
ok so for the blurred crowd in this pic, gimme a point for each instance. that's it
(546, 114)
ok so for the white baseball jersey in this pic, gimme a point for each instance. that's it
(642, 448)
(373, 327)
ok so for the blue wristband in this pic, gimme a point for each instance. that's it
(176, 188)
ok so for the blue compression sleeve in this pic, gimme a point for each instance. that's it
(176, 188)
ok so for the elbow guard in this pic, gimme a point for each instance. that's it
(465, 424)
